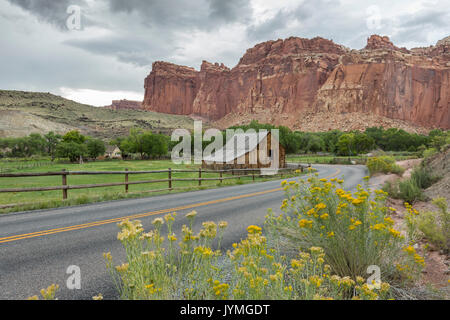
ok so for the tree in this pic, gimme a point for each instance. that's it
(95, 148)
(26, 146)
(134, 142)
(72, 150)
(52, 141)
(331, 138)
(363, 143)
(314, 143)
(154, 145)
(346, 144)
(74, 136)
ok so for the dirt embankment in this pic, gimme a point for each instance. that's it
(437, 269)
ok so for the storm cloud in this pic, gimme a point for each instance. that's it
(119, 40)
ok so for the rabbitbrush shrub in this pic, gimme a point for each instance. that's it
(355, 230)
(336, 235)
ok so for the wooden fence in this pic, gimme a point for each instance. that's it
(64, 187)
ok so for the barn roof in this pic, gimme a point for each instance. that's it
(229, 152)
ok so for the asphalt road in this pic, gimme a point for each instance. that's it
(36, 248)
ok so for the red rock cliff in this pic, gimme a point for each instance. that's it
(281, 80)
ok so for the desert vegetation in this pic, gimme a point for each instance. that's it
(319, 248)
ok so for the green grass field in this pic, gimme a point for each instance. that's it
(48, 199)
(330, 159)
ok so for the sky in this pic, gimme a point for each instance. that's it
(95, 51)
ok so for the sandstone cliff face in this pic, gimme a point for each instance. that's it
(170, 88)
(281, 81)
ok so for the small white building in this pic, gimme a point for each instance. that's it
(113, 152)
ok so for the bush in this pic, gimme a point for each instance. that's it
(384, 164)
(377, 165)
(409, 191)
(429, 152)
(396, 169)
(423, 177)
(436, 226)
(354, 231)
(252, 270)
(333, 247)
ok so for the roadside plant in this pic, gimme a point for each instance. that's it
(251, 270)
(383, 164)
(162, 265)
(355, 230)
(47, 294)
(435, 226)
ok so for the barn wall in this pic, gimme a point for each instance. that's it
(251, 155)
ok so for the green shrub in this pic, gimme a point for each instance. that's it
(377, 165)
(396, 169)
(423, 177)
(409, 191)
(391, 188)
(429, 152)
(436, 226)
(252, 270)
(384, 164)
(354, 229)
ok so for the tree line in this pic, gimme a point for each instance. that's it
(351, 143)
(72, 145)
(147, 145)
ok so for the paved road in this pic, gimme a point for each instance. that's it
(36, 248)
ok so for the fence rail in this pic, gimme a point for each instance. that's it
(254, 173)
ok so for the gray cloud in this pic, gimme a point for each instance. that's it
(121, 38)
(230, 11)
(129, 49)
(54, 12)
(199, 14)
(325, 18)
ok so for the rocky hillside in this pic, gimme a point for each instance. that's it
(125, 104)
(288, 81)
(22, 113)
(440, 166)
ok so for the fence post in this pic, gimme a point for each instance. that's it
(126, 181)
(170, 179)
(221, 176)
(253, 175)
(64, 183)
(199, 176)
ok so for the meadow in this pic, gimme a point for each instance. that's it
(48, 199)
(332, 159)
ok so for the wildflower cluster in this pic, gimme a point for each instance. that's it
(355, 229)
(170, 266)
(335, 235)
(47, 294)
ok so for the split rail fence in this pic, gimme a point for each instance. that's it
(65, 187)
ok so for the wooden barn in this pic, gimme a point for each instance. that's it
(242, 152)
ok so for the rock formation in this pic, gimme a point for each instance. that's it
(125, 104)
(283, 81)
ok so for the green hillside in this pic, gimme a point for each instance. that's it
(22, 113)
